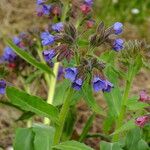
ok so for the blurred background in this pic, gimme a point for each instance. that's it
(20, 15)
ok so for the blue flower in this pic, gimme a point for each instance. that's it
(9, 55)
(118, 44)
(89, 2)
(49, 55)
(2, 86)
(16, 40)
(118, 27)
(98, 84)
(40, 2)
(70, 73)
(108, 87)
(47, 38)
(77, 84)
(46, 9)
(58, 27)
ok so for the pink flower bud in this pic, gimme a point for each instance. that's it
(90, 24)
(85, 8)
(141, 121)
(144, 97)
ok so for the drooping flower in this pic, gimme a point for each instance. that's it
(16, 40)
(2, 86)
(49, 55)
(144, 97)
(58, 27)
(77, 84)
(118, 44)
(141, 121)
(108, 87)
(47, 38)
(43, 10)
(89, 2)
(70, 73)
(9, 55)
(118, 28)
(98, 84)
(46, 9)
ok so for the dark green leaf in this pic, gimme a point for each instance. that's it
(32, 103)
(26, 115)
(27, 57)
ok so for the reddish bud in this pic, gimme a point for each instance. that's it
(12, 65)
(144, 97)
(141, 121)
(90, 23)
(85, 8)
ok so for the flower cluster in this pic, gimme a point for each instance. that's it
(46, 9)
(103, 35)
(9, 55)
(77, 75)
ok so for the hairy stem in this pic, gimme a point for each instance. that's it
(52, 85)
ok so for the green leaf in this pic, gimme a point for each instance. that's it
(69, 124)
(61, 89)
(32, 76)
(87, 93)
(137, 65)
(72, 145)
(32, 103)
(109, 146)
(24, 139)
(133, 138)
(26, 115)
(38, 137)
(114, 97)
(125, 127)
(43, 137)
(27, 57)
(142, 145)
(86, 127)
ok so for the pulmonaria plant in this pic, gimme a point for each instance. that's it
(64, 49)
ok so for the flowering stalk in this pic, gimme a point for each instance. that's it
(121, 116)
(52, 86)
(62, 116)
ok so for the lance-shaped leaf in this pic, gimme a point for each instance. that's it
(32, 103)
(28, 58)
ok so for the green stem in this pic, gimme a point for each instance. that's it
(121, 116)
(62, 116)
(52, 85)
